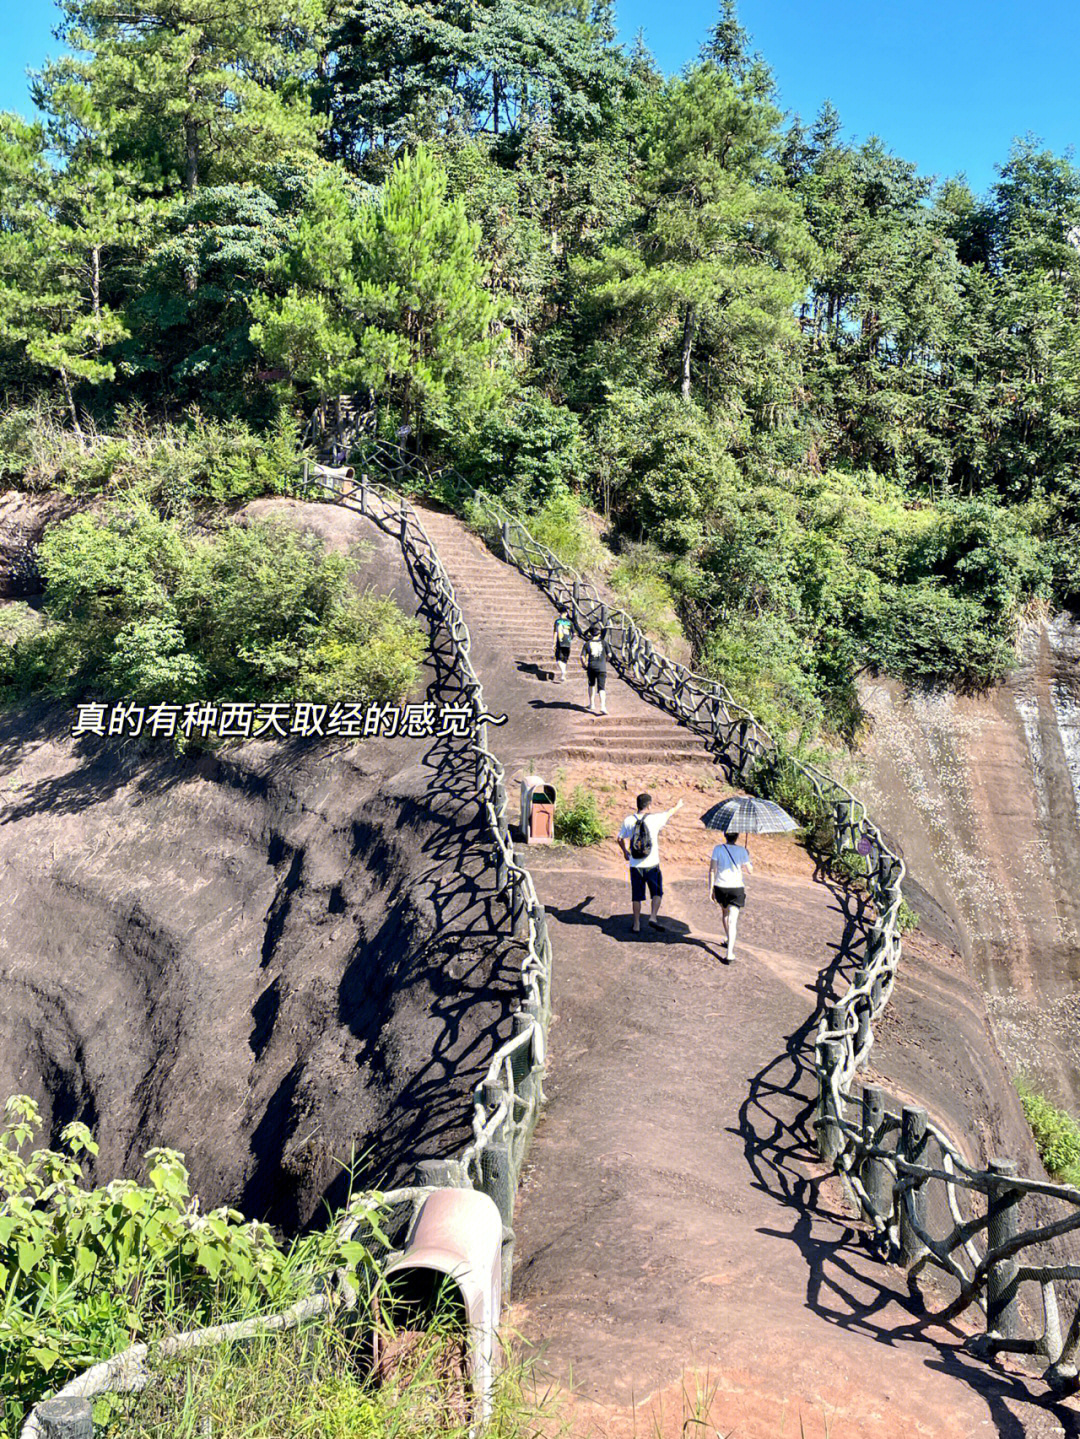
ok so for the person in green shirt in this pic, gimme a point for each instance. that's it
(564, 633)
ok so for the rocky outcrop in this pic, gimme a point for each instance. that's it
(276, 959)
(983, 794)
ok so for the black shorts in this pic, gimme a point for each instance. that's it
(649, 879)
(597, 678)
(562, 653)
(729, 898)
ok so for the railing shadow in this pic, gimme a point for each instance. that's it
(848, 1285)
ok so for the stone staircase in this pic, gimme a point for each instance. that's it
(502, 608)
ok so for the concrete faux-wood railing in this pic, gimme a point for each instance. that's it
(902, 1172)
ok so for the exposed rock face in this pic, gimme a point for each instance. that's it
(984, 795)
(23, 519)
(272, 960)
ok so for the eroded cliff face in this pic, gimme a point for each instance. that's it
(983, 795)
(275, 959)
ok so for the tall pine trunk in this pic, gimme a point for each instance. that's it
(689, 325)
(71, 406)
(95, 293)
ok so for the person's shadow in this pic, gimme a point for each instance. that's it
(619, 927)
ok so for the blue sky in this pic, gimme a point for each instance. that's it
(946, 84)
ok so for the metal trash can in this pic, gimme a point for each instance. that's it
(538, 800)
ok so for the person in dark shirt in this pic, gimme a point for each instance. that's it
(594, 663)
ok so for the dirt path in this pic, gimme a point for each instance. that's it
(673, 1227)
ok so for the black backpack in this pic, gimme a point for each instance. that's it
(640, 842)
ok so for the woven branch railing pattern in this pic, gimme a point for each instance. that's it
(929, 1206)
(507, 1101)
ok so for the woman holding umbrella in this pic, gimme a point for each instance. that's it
(726, 884)
(742, 815)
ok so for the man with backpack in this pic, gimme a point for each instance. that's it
(639, 839)
(594, 663)
(564, 633)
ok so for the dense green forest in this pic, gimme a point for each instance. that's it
(828, 406)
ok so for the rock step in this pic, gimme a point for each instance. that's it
(622, 754)
(586, 734)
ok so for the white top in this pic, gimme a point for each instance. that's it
(726, 865)
(654, 823)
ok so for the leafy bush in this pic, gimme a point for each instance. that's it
(84, 1272)
(176, 467)
(906, 917)
(777, 778)
(929, 636)
(139, 607)
(578, 821)
(562, 525)
(640, 583)
(526, 452)
(1057, 1134)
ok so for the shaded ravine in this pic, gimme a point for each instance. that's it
(983, 794)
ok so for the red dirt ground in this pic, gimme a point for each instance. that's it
(673, 1220)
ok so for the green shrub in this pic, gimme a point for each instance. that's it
(527, 452)
(562, 525)
(85, 1272)
(176, 467)
(140, 607)
(1057, 1134)
(929, 636)
(578, 820)
(777, 778)
(906, 917)
(639, 580)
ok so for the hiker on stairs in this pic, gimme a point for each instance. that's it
(594, 663)
(639, 840)
(564, 634)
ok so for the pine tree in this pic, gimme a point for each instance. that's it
(722, 247)
(389, 294)
(192, 92)
(53, 225)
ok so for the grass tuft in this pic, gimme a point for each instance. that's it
(579, 821)
(1057, 1134)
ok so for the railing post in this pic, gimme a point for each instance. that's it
(913, 1203)
(744, 730)
(518, 915)
(497, 1182)
(877, 1181)
(440, 1174)
(66, 1419)
(524, 1080)
(862, 1033)
(830, 1137)
(1002, 1306)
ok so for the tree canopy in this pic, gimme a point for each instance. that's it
(831, 399)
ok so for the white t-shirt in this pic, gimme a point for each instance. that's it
(654, 823)
(727, 862)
